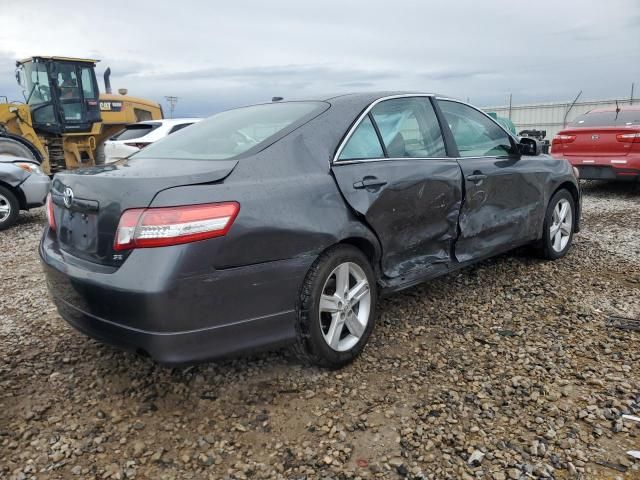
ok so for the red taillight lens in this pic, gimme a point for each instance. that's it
(628, 137)
(139, 145)
(160, 227)
(50, 218)
(560, 138)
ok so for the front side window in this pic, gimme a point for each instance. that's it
(409, 128)
(234, 132)
(475, 134)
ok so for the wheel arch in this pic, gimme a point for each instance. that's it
(22, 201)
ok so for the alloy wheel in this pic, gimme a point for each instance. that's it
(5, 208)
(345, 306)
(561, 225)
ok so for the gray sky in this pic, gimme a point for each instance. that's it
(215, 55)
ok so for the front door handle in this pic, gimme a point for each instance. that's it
(369, 182)
(476, 177)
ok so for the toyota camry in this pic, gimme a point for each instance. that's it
(281, 223)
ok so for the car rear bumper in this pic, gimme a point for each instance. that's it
(184, 347)
(599, 168)
(176, 318)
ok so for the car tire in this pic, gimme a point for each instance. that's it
(9, 208)
(557, 234)
(332, 334)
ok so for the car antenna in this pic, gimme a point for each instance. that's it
(277, 99)
(617, 111)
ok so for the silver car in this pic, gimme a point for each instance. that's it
(23, 185)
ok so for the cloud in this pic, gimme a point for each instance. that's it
(215, 55)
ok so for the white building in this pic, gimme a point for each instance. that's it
(552, 117)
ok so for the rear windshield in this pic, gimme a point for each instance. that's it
(608, 119)
(231, 133)
(136, 130)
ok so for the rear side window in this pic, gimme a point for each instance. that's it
(607, 119)
(136, 130)
(234, 132)
(409, 128)
(175, 128)
(476, 135)
(363, 143)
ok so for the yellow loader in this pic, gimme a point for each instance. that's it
(65, 118)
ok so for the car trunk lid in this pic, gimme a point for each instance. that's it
(594, 141)
(88, 203)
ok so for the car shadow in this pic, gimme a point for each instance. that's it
(610, 188)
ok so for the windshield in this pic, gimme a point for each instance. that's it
(608, 119)
(35, 83)
(231, 133)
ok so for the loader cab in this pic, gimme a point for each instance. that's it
(62, 93)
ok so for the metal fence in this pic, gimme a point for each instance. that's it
(552, 116)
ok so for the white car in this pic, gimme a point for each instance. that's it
(136, 136)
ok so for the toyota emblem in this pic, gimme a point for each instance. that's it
(67, 196)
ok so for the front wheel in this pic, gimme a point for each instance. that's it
(336, 308)
(558, 226)
(9, 208)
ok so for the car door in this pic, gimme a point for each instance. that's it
(503, 191)
(393, 170)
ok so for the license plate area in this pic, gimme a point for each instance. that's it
(78, 231)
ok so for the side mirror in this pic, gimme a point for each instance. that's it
(529, 147)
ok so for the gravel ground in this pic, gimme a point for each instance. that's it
(507, 370)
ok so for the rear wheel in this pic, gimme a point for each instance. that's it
(558, 226)
(9, 208)
(336, 308)
(11, 147)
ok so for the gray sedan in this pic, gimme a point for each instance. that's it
(281, 223)
(23, 186)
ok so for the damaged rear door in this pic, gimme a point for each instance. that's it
(393, 169)
(503, 202)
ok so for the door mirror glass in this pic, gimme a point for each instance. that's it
(476, 135)
(529, 146)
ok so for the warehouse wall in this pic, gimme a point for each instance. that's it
(550, 116)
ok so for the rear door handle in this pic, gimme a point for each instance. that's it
(369, 182)
(476, 177)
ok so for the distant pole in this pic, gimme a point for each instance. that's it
(171, 100)
(631, 98)
(510, 104)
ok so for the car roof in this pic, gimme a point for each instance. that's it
(351, 96)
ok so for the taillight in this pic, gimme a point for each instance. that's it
(560, 138)
(163, 226)
(628, 137)
(139, 145)
(50, 218)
